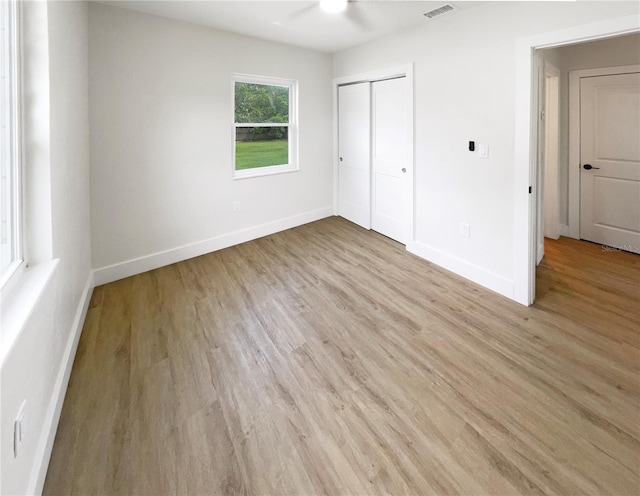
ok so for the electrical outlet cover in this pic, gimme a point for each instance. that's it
(19, 429)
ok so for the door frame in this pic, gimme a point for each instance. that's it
(405, 70)
(574, 136)
(551, 163)
(548, 154)
(526, 132)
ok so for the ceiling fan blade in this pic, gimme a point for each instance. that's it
(355, 15)
(297, 14)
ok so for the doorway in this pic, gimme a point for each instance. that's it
(602, 111)
(526, 132)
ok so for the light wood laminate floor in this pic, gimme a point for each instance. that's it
(328, 360)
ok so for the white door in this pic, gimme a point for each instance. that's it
(610, 160)
(354, 149)
(389, 157)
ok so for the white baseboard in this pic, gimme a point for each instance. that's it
(483, 277)
(135, 266)
(45, 444)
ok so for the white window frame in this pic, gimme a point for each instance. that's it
(292, 125)
(10, 103)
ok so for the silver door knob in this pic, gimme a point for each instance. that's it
(340, 159)
(404, 169)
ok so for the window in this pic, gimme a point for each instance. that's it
(265, 131)
(9, 143)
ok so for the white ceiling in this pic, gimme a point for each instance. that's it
(299, 23)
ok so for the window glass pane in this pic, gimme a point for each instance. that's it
(257, 103)
(261, 147)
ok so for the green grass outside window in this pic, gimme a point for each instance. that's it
(253, 154)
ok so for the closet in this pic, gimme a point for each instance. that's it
(373, 120)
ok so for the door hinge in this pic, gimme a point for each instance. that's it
(530, 189)
(542, 115)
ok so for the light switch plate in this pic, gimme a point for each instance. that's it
(483, 151)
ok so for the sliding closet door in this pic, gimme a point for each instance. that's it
(354, 148)
(389, 118)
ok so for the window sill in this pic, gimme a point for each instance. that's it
(18, 300)
(263, 171)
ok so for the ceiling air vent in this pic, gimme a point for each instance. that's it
(439, 11)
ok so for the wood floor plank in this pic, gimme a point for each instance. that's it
(327, 360)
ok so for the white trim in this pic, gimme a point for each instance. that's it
(550, 211)
(139, 265)
(574, 137)
(377, 75)
(7, 281)
(524, 160)
(336, 152)
(268, 80)
(261, 124)
(538, 104)
(264, 171)
(405, 70)
(490, 280)
(11, 137)
(52, 418)
(19, 299)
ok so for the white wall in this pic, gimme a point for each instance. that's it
(612, 52)
(161, 140)
(465, 70)
(35, 366)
